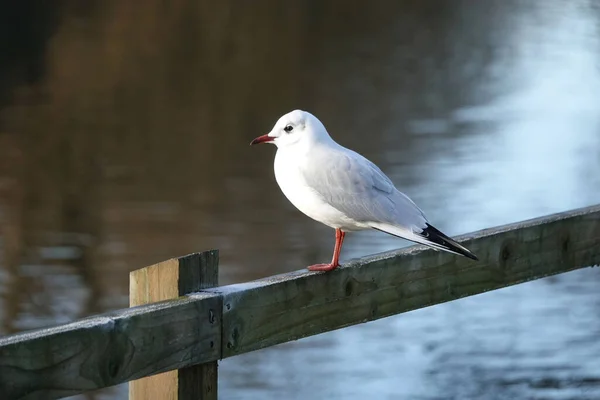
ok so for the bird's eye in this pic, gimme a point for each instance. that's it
(288, 128)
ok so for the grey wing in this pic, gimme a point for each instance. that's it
(358, 188)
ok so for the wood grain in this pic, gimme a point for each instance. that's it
(292, 306)
(147, 285)
(168, 280)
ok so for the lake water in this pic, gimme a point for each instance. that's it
(124, 136)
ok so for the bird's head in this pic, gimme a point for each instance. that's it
(294, 128)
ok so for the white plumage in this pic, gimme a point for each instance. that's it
(342, 189)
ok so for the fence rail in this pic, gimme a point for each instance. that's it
(221, 322)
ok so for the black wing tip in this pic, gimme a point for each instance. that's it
(437, 237)
(470, 255)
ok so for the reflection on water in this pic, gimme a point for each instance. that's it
(124, 141)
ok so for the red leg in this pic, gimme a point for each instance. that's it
(339, 239)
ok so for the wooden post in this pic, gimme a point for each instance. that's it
(168, 280)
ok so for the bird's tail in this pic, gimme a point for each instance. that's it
(430, 236)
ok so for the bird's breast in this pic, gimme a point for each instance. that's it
(289, 177)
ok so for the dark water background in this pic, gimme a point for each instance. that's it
(124, 132)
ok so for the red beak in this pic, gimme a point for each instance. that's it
(262, 139)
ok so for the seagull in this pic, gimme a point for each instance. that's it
(342, 189)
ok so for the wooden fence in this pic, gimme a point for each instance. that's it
(180, 323)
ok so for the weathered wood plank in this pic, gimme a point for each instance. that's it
(291, 306)
(168, 280)
(109, 349)
(142, 341)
